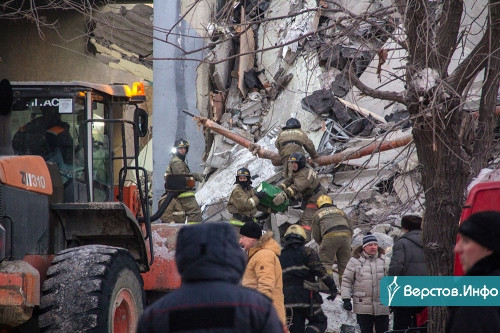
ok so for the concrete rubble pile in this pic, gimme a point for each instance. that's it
(254, 94)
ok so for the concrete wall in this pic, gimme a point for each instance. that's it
(27, 54)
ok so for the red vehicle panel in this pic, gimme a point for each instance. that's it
(482, 197)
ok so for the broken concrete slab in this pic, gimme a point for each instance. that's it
(247, 47)
(216, 105)
(361, 179)
(221, 72)
(319, 102)
(233, 96)
(249, 108)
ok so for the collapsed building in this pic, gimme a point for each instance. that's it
(251, 87)
(254, 94)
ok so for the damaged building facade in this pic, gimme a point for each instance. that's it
(272, 60)
(251, 86)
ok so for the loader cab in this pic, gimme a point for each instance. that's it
(70, 126)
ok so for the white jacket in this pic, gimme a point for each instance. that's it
(361, 281)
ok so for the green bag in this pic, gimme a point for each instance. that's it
(271, 191)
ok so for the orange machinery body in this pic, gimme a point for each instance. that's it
(130, 198)
(26, 172)
(482, 197)
(163, 275)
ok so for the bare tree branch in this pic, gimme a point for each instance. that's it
(385, 95)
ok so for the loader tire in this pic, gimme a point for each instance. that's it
(92, 288)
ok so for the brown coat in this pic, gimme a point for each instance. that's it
(303, 182)
(179, 167)
(243, 201)
(326, 218)
(300, 141)
(264, 273)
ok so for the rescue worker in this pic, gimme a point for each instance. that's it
(243, 199)
(184, 207)
(292, 139)
(332, 230)
(303, 182)
(301, 266)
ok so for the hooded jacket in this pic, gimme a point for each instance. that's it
(210, 299)
(263, 272)
(361, 281)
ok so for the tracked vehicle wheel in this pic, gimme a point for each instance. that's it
(92, 288)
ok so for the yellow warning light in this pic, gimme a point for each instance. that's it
(136, 93)
(138, 89)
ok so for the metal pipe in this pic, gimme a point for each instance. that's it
(350, 154)
(263, 153)
(374, 147)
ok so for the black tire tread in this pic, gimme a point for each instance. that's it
(75, 296)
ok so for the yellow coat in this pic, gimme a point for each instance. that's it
(263, 272)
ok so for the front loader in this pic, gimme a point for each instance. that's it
(78, 251)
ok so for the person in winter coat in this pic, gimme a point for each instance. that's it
(408, 259)
(361, 282)
(301, 266)
(291, 140)
(303, 183)
(263, 271)
(243, 200)
(478, 248)
(332, 230)
(210, 298)
(184, 207)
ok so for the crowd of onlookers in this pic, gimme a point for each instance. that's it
(273, 287)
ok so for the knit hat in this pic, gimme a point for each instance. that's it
(483, 228)
(251, 229)
(368, 239)
(411, 222)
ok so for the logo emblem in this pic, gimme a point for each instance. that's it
(392, 288)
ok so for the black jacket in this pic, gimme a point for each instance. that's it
(300, 263)
(210, 299)
(477, 319)
(408, 255)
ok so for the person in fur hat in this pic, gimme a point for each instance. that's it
(408, 259)
(478, 248)
(361, 282)
(263, 271)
